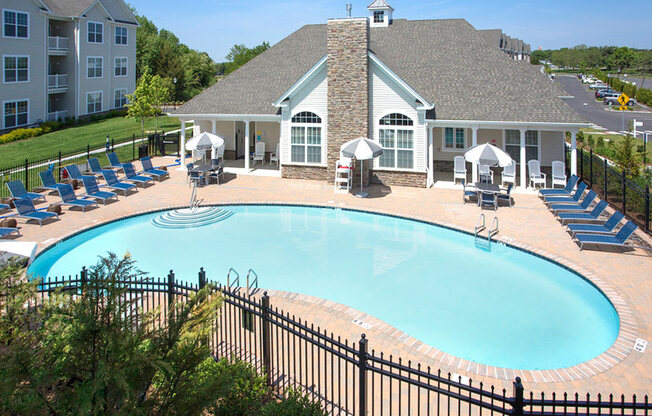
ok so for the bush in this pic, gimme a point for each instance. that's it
(51, 125)
(591, 141)
(295, 404)
(20, 134)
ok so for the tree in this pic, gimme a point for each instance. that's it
(150, 93)
(621, 58)
(240, 55)
(626, 156)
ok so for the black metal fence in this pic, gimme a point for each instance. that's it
(346, 378)
(616, 188)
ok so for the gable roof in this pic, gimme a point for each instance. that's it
(379, 4)
(76, 8)
(445, 61)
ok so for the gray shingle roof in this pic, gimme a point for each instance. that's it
(493, 36)
(379, 4)
(445, 61)
(72, 8)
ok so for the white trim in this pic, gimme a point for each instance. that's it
(88, 22)
(305, 145)
(518, 162)
(126, 66)
(17, 100)
(537, 125)
(98, 3)
(228, 117)
(94, 57)
(400, 82)
(443, 140)
(29, 24)
(3, 69)
(126, 99)
(412, 128)
(305, 78)
(115, 27)
(101, 101)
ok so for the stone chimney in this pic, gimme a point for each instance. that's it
(348, 84)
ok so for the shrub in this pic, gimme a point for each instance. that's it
(51, 125)
(591, 141)
(20, 134)
(295, 404)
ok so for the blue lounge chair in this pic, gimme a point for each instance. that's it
(468, 192)
(584, 216)
(488, 198)
(131, 175)
(606, 228)
(149, 169)
(18, 190)
(570, 185)
(583, 207)
(74, 172)
(112, 182)
(114, 162)
(95, 166)
(48, 181)
(574, 199)
(4, 207)
(68, 197)
(613, 240)
(26, 210)
(8, 231)
(506, 196)
(93, 191)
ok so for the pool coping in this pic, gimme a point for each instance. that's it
(617, 352)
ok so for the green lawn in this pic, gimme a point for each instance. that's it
(78, 137)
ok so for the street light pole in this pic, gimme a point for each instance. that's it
(175, 92)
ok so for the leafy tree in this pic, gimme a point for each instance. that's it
(240, 55)
(144, 103)
(626, 156)
(621, 58)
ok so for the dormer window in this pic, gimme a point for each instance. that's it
(380, 13)
(379, 16)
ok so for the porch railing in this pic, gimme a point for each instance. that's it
(57, 44)
(57, 81)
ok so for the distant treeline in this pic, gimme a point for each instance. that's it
(611, 58)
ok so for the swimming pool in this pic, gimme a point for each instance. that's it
(505, 308)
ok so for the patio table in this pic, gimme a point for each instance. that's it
(483, 187)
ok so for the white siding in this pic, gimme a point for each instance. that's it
(551, 143)
(386, 97)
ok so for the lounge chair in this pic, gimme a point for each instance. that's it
(4, 207)
(68, 198)
(536, 177)
(26, 210)
(594, 215)
(114, 162)
(509, 174)
(17, 190)
(468, 192)
(93, 191)
(274, 156)
(112, 182)
(259, 153)
(568, 199)
(613, 240)
(95, 166)
(489, 199)
(606, 228)
(48, 181)
(8, 231)
(130, 175)
(558, 173)
(506, 196)
(583, 207)
(570, 185)
(485, 173)
(459, 168)
(148, 169)
(74, 172)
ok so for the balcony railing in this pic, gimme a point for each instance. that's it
(57, 81)
(57, 115)
(57, 44)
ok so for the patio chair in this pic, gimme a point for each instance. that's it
(95, 166)
(488, 199)
(8, 231)
(130, 175)
(509, 174)
(606, 228)
(506, 196)
(583, 207)
(112, 182)
(26, 210)
(612, 240)
(486, 174)
(18, 191)
(68, 197)
(48, 181)
(189, 168)
(259, 153)
(570, 185)
(273, 157)
(567, 199)
(196, 177)
(74, 172)
(536, 177)
(217, 170)
(93, 191)
(4, 207)
(594, 215)
(558, 173)
(459, 168)
(114, 162)
(468, 192)
(149, 169)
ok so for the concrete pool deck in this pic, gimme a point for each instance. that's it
(527, 224)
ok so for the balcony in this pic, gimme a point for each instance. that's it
(57, 115)
(57, 45)
(57, 82)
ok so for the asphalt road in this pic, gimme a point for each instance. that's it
(593, 111)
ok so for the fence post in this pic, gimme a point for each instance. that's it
(88, 151)
(647, 209)
(84, 277)
(202, 278)
(133, 146)
(59, 166)
(267, 340)
(605, 179)
(581, 163)
(113, 145)
(362, 370)
(591, 167)
(170, 294)
(27, 174)
(518, 398)
(624, 179)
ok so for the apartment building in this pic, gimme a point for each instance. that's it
(65, 58)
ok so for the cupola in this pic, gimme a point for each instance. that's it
(380, 13)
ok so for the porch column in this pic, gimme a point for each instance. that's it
(474, 142)
(523, 157)
(431, 157)
(213, 128)
(246, 152)
(182, 152)
(573, 152)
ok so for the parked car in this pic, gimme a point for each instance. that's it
(612, 99)
(602, 92)
(598, 86)
(589, 80)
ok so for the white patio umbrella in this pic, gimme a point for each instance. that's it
(362, 149)
(204, 141)
(487, 154)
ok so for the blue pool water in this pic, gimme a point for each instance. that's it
(504, 308)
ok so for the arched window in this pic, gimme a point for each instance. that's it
(305, 138)
(396, 137)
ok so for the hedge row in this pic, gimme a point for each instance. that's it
(642, 95)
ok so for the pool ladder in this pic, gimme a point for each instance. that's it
(480, 225)
(252, 280)
(194, 203)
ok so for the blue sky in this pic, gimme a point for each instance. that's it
(214, 26)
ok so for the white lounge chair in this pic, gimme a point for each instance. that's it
(274, 156)
(459, 168)
(485, 172)
(558, 173)
(259, 153)
(509, 175)
(536, 177)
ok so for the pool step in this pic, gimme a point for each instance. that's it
(191, 217)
